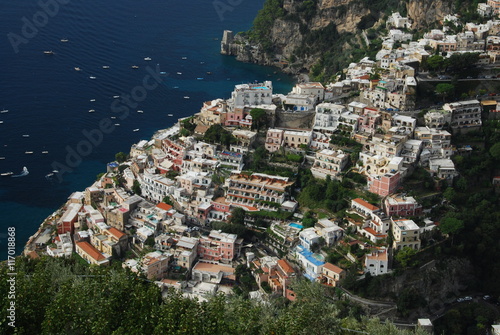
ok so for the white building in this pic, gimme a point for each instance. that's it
(377, 262)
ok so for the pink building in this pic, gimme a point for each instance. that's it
(385, 184)
(234, 117)
(218, 247)
(369, 120)
(402, 206)
(280, 278)
(274, 139)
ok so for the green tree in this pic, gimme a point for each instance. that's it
(121, 157)
(451, 226)
(238, 216)
(405, 255)
(495, 151)
(445, 90)
(136, 188)
(259, 118)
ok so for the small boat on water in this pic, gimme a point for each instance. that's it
(199, 78)
(91, 110)
(50, 175)
(116, 96)
(45, 152)
(26, 135)
(2, 158)
(6, 174)
(1, 122)
(64, 40)
(176, 87)
(186, 97)
(113, 117)
(92, 100)
(4, 111)
(163, 73)
(92, 77)
(135, 67)
(147, 58)
(117, 124)
(140, 111)
(105, 67)
(49, 52)
(28, 152)
(184, 58)
(55, 171)
(25, 172)
(170, 114)
(77, 69)
(209, 73)
(136, 129)
(179, 73)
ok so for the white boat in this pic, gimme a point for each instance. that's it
(6, 174)
(113, 117)
(45, 152)
(91, 110)
(4, 111)
(92, 100)
(92, 77)
(147, 58)
(136, 129)
(199, 78)
(77, 69)
(55, 171)
(105, 67)
(64, 40)
(28, 152)
(49, 52)
(163, 73)
(116, 96)
(186, 97)
(176, 87)
(184, 58)
(179, 73)
(117, 124)
(26, 135)
(50, 175)
(1, 122)
(2, 158)
(170, 114)
(135, 67)
(140, 111)
(25, 172)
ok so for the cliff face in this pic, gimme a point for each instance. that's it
(304, 31)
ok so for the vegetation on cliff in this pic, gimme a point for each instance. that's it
(64, 296)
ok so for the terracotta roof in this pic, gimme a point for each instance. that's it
(334, 268)
(90, 250)
(116, 233)
(365, 204)
(283, 263)
(164, 206)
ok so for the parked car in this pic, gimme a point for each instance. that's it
(487, 297)
(467, 298)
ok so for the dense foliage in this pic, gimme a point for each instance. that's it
(58, 296)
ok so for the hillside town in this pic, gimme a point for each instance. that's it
(222, 192)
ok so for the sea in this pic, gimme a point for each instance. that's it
(48, 125)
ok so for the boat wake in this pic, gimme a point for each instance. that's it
(24, 173)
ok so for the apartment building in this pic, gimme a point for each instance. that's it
(257, 188)
(329, 163)
(406, 233)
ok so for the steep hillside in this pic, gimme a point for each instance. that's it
(322, 36)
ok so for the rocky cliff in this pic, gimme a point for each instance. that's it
(297, 35)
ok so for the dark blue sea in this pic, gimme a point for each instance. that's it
(48, 101)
